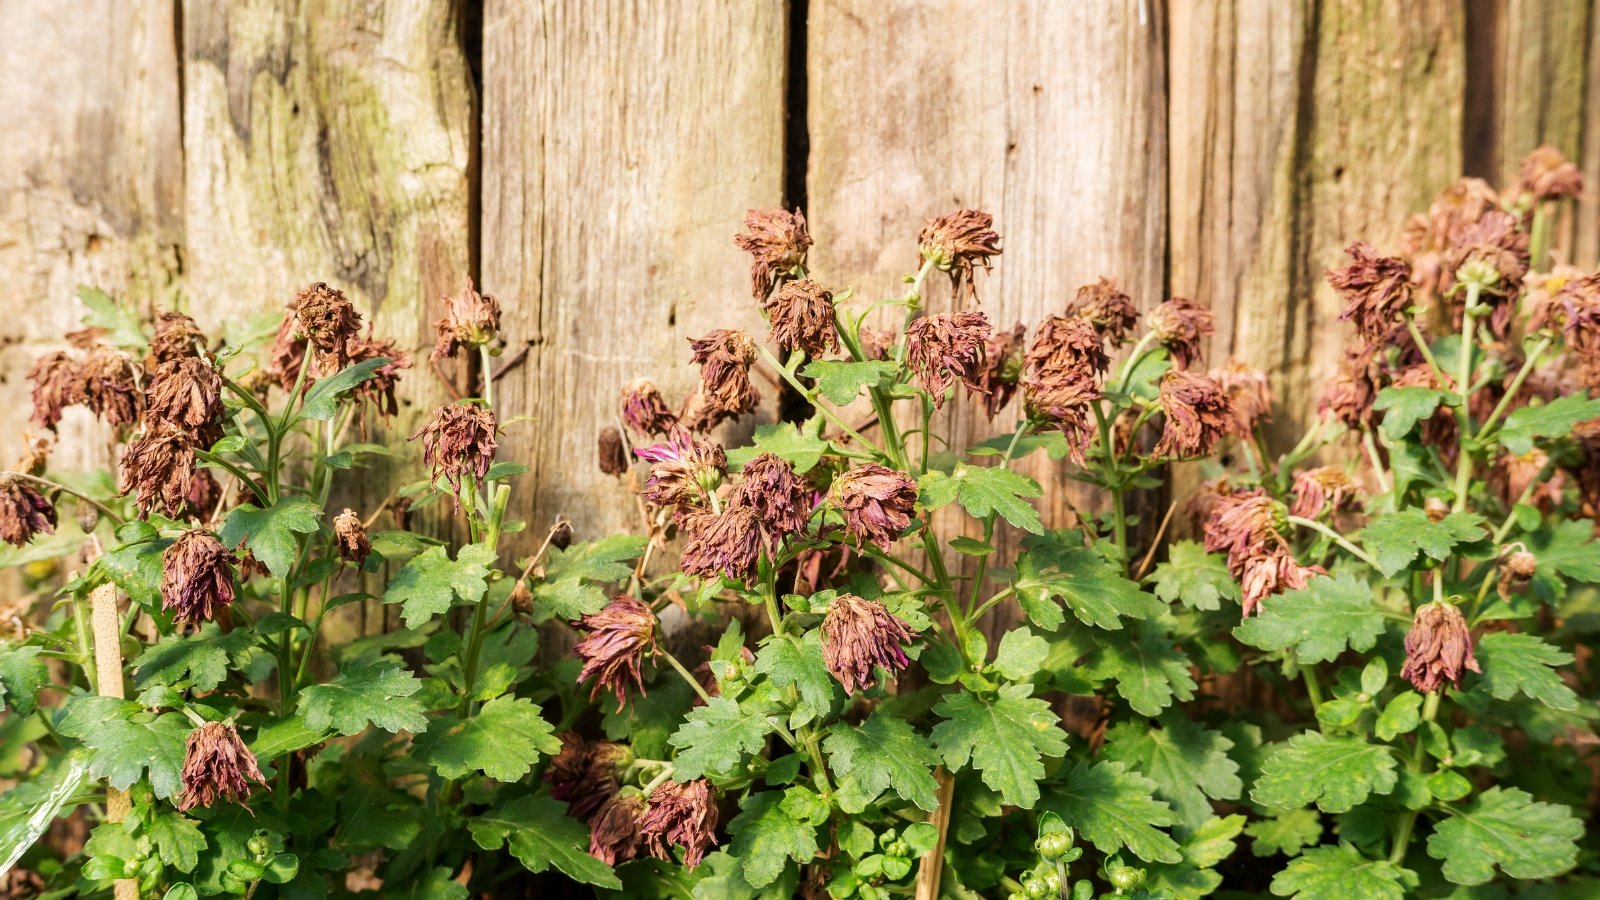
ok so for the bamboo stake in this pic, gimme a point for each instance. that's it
(931, 870)
(108, 675)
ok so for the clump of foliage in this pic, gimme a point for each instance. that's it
(1410, 583)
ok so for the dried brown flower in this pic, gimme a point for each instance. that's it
(158, 467)
(1109, 310)
(329, 322)
(726, 543)
(644, 410)
(24, 512)
(1179, 325)
(1197, 412)
(1249, 396)
(471, 320)
(613, 455)
(1494, 244)
(777, 242)
(1376, 290)
(583, 774)
(187, 392)
(1517, 568)
(35, 453)
(197, 576)
(378, 391)
(459, 441)
(801, 317)
(1246, 525)
(1061, 378)
(859, 635)
(1322, 488)
(53, 376)
(942, 349)
(287, 355)
(958, 242)
(724, 356)
(877, 345)
(683, 814)
(217, 766)
(770, 486)
(877, 503)
(619, 638)
(1578, 304)
(107, 382)
(1348, 395)
(350, 537)
(175, 337)
(1002, 369)
(614, 832)
(682, 469)
(1438, 648)
(1549, 175)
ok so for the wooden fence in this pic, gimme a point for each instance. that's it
(586, 161)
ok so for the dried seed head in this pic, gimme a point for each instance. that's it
(945, 348)
(1002, 369)
(217, 766)
(187, 392)
(613, 456)
(1249, 396)
(683, 814)
(1438, 648)
(801, 317)
(1521, 564)
(958, 242)
(781, 501)
(859, 635)
(1376, 290)
(459, 441)
(1197, 412)
(728, 543)
(158, 468)
(197, 576)
(107, 381)
(350, 536)
(777, 242)
(24, 512)
(522, 598)
(53, 376)
(328, 321)
(1322, 488)
(614, 832)
(1179, 325)
(584, 773)
(876, 502)
(724, 356)
(1109, 310)
(1548, 175)
(644, 410)
(619, 638)
(682, 469)
(471, 320)
(175, 337)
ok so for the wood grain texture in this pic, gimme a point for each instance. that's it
(621, 150)
(91, 184)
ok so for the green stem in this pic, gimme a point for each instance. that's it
(1464, 388)
(1427, 352)
(80, 623)
(1539, 236)
(1408, 820)
(811, 397)
(1138, 353)
(685, 674)
(1515, 386)
(1336, 537)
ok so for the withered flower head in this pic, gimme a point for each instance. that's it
(53, 376)
(584, 773)
(197, 576)
(1376, 290)
(460, 440)
(187, 392)
(683, 814)
(726, 543)
(1322, 488)
(1517, 567)
(1197, 412)
(956, 243)
(217, 766)
(1492, 251)
(1247, 526)
(777, 242)
(877, 503)
(35, 453)
(858, 635)
(158, 467)
(614, 832)
(1578, 304)
(1109, 310)
(877, 345)
(107, 381)
(1348, 395)
(288, 351)
(612, 454)
(682, 469)
(1438, 648)
(1249, 396)
(780, 499)
(471, 320)
(1179, 324)
(1066, 346)
(644, 410)
(328, 321)
(378, 391)
(724, 356)
(175, 336)
(945, 348)
(619, 638)
(24, 512)
(350, 536)
(801, 317)
(1002, 369)
(1549, 175)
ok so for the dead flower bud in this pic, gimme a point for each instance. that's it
(1549, 175)
(724, 356)
(24, 512)
(217, 766)
(471, 320)
(35, 453)
(158, 468)
(614, 832)
(726, 543)
(644, 410)
(1179, 324)
(1376, 291)
(683, 814)
(1438, 648)
(583, 773)
(682, 469)
(944, 348)
(860, 635)
(1197, 412)
(1348, 395)
(1109, 310)
(1322, 488)
(328, 321)
(777, 242)
(378, 391)
(1491, 252)
(187, 392)
(801, 318)
(780, 499)
(459, 441)
(618, 639)
(1249, 396)
(350, 536)
(877, 503)
(613, 456)
(197, 576)
(1517, 568)
(1247, 525)
(958, 242)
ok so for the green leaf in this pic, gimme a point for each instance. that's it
(1149, 670)
(503, 741)
(1005, 738)
(1395, 540)
(1318, 621)
(798, 662)
(135, 564)
(1405, 407)
(1051, 568)
(276, 737)
(540, 835)
(198, 660)
(28, 809)
(124, 327)
(799, 447)
(435, 884)
(270, 533)
(1186, 762)
(841, 382)
(1566, 549)
(1287, 832)
(1506, 827)
(1336, 773)
(128, 742)
(571, 576)
(885, 752)
(1400, 716)
(1516, 663)
(1550, 420)
(1198, 579)
(982, 490)
(766, 837)
(1213, 840)
(1114, 809)
(716, 737)
(178, 840)
(1053, 443)
(22, 676)
(1021, 654)
(649, 720)
(321, 400)
(375, 691)
(428, 582)
(1342, 873)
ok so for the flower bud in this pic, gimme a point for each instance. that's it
(1438, 648)
(350, 536)
(613, 456)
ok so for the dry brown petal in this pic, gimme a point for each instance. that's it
(777, 242)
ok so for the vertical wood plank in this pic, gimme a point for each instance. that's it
(622, 146)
